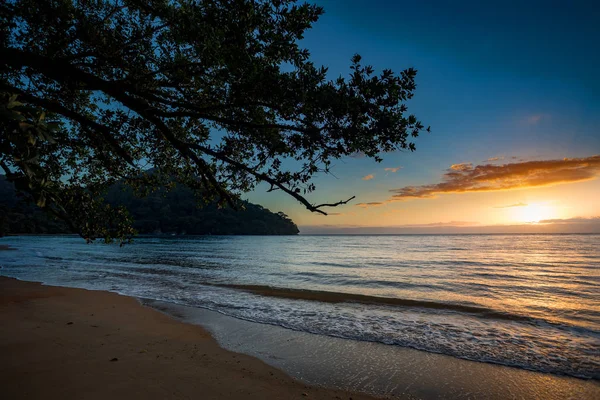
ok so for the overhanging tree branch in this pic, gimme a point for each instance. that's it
(268, 179)
(57, 108)
(143, 109)
(181, 69)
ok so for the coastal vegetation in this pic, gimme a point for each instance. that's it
(162, 212)
(219, 96)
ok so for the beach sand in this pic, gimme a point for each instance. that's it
(63, 343)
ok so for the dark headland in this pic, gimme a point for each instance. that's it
(162, 212)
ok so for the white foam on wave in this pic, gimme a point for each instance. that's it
(173, 274)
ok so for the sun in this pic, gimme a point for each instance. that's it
(534, 213)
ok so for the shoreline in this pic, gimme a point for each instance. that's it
(376, 368)
(58, 342)
(196, 350)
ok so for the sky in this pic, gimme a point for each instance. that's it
(512, 94)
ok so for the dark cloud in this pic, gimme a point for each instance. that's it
(464, 178)
(358, 154)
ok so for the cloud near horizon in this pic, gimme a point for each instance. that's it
(521, 204)
(368, 177)
(450, 223)
(569, 225)
(576, 220)
(371, 204)
(465, 178)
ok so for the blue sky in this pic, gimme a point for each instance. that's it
(512, 79)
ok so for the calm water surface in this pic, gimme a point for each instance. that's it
(530, 301)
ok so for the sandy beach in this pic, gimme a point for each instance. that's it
(63, 343)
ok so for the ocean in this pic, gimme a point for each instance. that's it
(526, 301)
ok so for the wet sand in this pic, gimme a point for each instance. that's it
(378, 369)
(62, 343)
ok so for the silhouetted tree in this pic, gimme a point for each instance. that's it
(215, 94)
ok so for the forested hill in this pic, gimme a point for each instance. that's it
(161, 212)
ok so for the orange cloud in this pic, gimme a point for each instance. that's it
(368, 177)
(464, 178)
(392, 169)
(461, 167)
(513, 205)
(371, 204)
(492, 159)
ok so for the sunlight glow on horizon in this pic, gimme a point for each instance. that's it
(516, 207)
(534, 213)
(514, 136)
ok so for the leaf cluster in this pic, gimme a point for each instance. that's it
(214, 94)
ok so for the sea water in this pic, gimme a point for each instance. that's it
(528, 301)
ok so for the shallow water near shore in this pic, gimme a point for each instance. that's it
(375, 368)
(529, 301)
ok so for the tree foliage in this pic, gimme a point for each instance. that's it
(216, 94)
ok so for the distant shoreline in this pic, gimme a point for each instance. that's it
(168, 235)
(153, 235)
